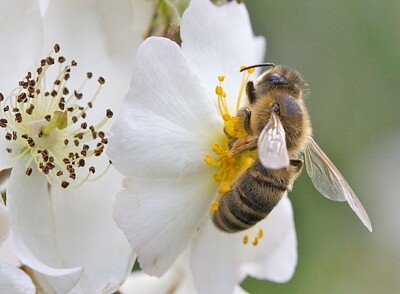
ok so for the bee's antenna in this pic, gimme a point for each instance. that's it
(258, 65)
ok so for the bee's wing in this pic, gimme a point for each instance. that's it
(271, 145)
(329, 181)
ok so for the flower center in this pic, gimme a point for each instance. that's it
(229, 166)
(47, 123)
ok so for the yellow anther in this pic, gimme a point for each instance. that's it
(245, 239)
(226, 117)
(210, 160)
(219, 91)
(223, 94)
(255, 241)
(214, 206)
(260, 233)
(242, 66)
(221, 78)
(217, 177)
(250, 70)
(225, 187)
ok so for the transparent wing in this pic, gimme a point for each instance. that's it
(329, 181)
(271, 145)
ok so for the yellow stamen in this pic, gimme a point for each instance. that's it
(260, 233)
(245, 240)
(255, 241)
(229, 167)
(214, 206)
(218, 90)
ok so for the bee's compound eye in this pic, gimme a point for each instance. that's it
(276, 79)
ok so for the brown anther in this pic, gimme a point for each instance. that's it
(74, 63)
(3, 122)
(66, 161)
(109, 113)
(66, 142)
(65, 91)
(64, 184)
(76, 142)
(18, 117)
(101, 134)
(5, 109)
(28, 171)
(59, 173)
(74, 119)
(61, 59)
(1, 97)
(56, 48)
(39, 70)
(14, 135)
(43, 62)
(57, 82)
(21, 97)
(81, 162)
(47, 117)
(84, 125)
(8, 136)
(67, 76)
(40, 134)
(92, 169)
(78, 95)
(72, 176)
(54, 93)
(25, 136)
(101, 80)
(90, 104)
(30, 109)
(9, 150)
(89, 75)
(50, 60)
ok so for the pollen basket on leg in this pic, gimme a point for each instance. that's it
(228, 166)
(46, 120)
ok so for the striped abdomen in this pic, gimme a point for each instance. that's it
(253, 196)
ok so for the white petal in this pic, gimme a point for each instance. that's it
(14, 281)
(160, 217)
(86, 34)
(7, 254)
(177, 280)
(4, 222)
(218, 40)
(32, 228)
(169, 121)
(213, 261)
(88, 236)
(275, 257)
(21, 40)
(68, 228)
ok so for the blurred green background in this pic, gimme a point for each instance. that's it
(348, 52)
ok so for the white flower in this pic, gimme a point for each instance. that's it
(68, 235)
(169, 122)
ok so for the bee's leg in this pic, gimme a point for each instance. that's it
(250, 91)
(297, 165)
(246, 112)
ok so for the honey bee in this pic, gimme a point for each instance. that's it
(277, 124)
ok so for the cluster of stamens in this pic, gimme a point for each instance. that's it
(230, 166)
(47, 122)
